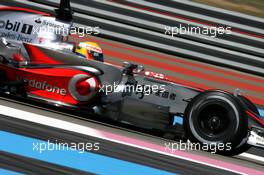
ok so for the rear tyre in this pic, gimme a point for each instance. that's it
(216, 118)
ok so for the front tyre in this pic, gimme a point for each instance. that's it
(216, 118)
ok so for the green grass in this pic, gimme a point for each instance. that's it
(250, 7)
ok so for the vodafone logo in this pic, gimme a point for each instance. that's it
(83, 87)
(44, 85)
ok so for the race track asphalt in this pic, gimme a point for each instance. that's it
(107, 148)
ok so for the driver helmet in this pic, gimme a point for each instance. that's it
(89, 50)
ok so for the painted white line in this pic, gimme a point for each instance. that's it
(57, 123)
(252, 156)
(47, 121)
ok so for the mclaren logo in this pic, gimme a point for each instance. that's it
(44, 86)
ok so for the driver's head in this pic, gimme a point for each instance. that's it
(89, 50)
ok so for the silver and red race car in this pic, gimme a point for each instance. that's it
(125, 94)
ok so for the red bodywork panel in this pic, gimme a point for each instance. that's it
(38, 57)
(46, 83)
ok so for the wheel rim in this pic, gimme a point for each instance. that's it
(214, 122)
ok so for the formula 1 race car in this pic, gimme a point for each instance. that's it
(128, 94)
